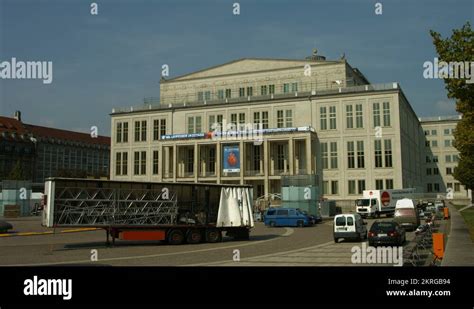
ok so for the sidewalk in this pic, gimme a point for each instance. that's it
(459, 248)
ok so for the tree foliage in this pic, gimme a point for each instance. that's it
(460, 47)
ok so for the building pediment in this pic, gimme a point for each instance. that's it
(246, 65)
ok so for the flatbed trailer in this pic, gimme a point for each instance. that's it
(161, 211)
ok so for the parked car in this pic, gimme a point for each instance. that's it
(286, 217)
(406, 214)
(423, 205)
(430, 205)
(349, 226)
(423, 214)
(314, 219)
(436, 210)
(386, 233)
(5, 226)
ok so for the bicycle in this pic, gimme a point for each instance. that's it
(36, 211)
(436, 260)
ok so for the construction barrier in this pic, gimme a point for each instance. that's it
(438, 245)
(446, 213)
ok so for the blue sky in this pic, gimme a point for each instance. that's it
(114, 59)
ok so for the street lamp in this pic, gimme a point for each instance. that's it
(33, 173)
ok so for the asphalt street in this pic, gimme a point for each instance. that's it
(267, 246)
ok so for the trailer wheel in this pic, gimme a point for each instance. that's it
(175, 237)
(213, 235)
(193, 236)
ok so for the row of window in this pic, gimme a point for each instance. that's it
(355, 116)
(139, 163)
(352, 186)
(457, 186)
(354, 119)
(449, 171)
(448, 158)
(356, 154)
(431, 186)
(434, 143)
(238, 121)
(140, 129)
(59, 158)
(435, 132)
(245, 92)
(355, 186)
(434, 187)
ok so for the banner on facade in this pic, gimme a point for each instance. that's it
(231, 159)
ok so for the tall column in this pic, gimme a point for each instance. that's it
(309, 159)
(266, 159)
(290, 155)
(271, 153)
(166, 161)
(218, 161)
(195, 162)
(297, 154)
(160, 159)
(242, 163)
(175, 162)
(202, 163)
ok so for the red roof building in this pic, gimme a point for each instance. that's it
(34, 152)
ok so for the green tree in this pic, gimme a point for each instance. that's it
(460, 47)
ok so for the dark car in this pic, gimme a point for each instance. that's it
(386, 233)
(314, 219)
(5, 226)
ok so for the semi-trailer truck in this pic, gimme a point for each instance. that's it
(171, 212)
(381, 202)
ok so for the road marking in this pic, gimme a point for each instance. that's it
(80, 230)
(287, 233)
(468, 206)
(264, 256)
(48, 232)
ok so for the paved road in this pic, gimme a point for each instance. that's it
(268, 246)
(327, 253)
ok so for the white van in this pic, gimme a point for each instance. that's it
(349, 226)
(406, 214)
